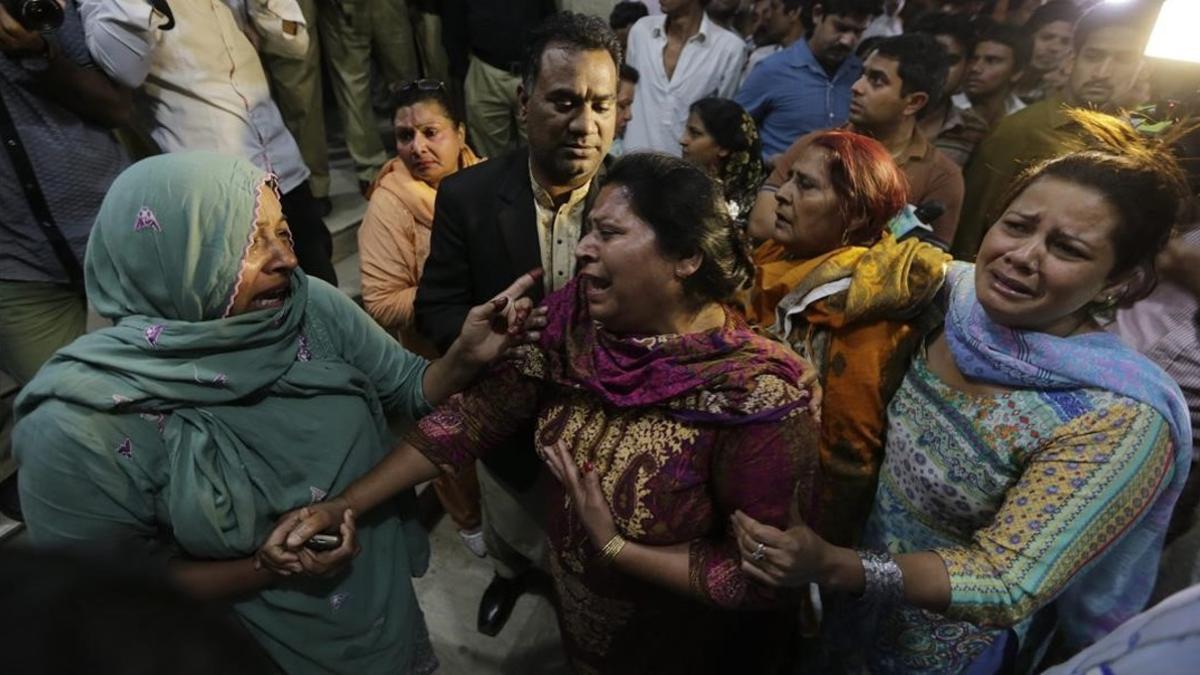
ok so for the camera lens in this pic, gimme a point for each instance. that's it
(42, 16)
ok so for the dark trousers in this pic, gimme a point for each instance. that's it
(314, 244)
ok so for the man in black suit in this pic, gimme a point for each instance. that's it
(506, 216)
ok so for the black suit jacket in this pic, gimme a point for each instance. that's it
(484, 237)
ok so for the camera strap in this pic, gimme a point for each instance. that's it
(163, 8)
(33, 194)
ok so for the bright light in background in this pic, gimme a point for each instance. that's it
(1174, 34)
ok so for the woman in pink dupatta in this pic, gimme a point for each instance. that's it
(662, 413)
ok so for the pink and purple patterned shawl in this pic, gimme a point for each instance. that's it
(709, 377)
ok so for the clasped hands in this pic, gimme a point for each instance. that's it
(489, 331)
(284, 552)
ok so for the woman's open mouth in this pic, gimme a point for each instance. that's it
(1010, 288)
(595, 287)
(270, 299)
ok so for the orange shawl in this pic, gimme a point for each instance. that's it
(860, 340)
(393, 243)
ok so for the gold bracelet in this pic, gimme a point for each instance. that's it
(612, 549)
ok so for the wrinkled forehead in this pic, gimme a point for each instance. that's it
(1112, 40)
(812, 158)
(563, 68)
(845, 23)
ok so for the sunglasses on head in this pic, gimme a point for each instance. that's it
(424, 84)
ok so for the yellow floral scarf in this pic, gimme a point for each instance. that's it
(860, 339)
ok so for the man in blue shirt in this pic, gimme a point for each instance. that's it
(58, 160)
(807, 86)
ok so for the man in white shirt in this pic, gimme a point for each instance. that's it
(888, 24)
(682, 57)
(201, 86)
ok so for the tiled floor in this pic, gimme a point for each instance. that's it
(449, 595)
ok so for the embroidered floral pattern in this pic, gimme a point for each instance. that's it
(304, 354)
(158, 419)
(218, 380)
(337, 600)
(660, 476)
(152, 333)
(146, 220)
(125, 449)
(316, 494)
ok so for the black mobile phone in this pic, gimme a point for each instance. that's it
(323, 542)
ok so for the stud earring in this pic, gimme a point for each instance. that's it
(1107, 303)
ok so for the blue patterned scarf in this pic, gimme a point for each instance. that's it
(1118, 585)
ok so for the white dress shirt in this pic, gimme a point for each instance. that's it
(709, 65)
(201, 85)
(885, 25)
(1012, 104)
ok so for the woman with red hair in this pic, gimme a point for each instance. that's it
(834, 282)
(1033, 460)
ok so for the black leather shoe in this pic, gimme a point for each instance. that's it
(497, 604)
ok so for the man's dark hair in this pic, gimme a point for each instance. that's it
(576, 32)
(942, 23)
(625, 14)
(793, 5)
(868, 45)
(920, 62)
(856, 8)
(1055, 10)
(1013, 37)
(629, 73)
(1138, 14)
(957, 26)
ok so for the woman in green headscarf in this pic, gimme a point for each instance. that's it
(232, 389)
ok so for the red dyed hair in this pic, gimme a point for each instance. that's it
(866, 179)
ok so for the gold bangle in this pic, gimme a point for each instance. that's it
(612, 549)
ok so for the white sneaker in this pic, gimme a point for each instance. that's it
(473, 540)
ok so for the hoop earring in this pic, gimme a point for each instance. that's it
(846, 237)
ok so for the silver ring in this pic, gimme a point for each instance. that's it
(758, 552)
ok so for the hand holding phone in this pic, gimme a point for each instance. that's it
(324, 542)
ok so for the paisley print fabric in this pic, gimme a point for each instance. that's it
(673, 467)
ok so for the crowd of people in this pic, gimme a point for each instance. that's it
(783, 336)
